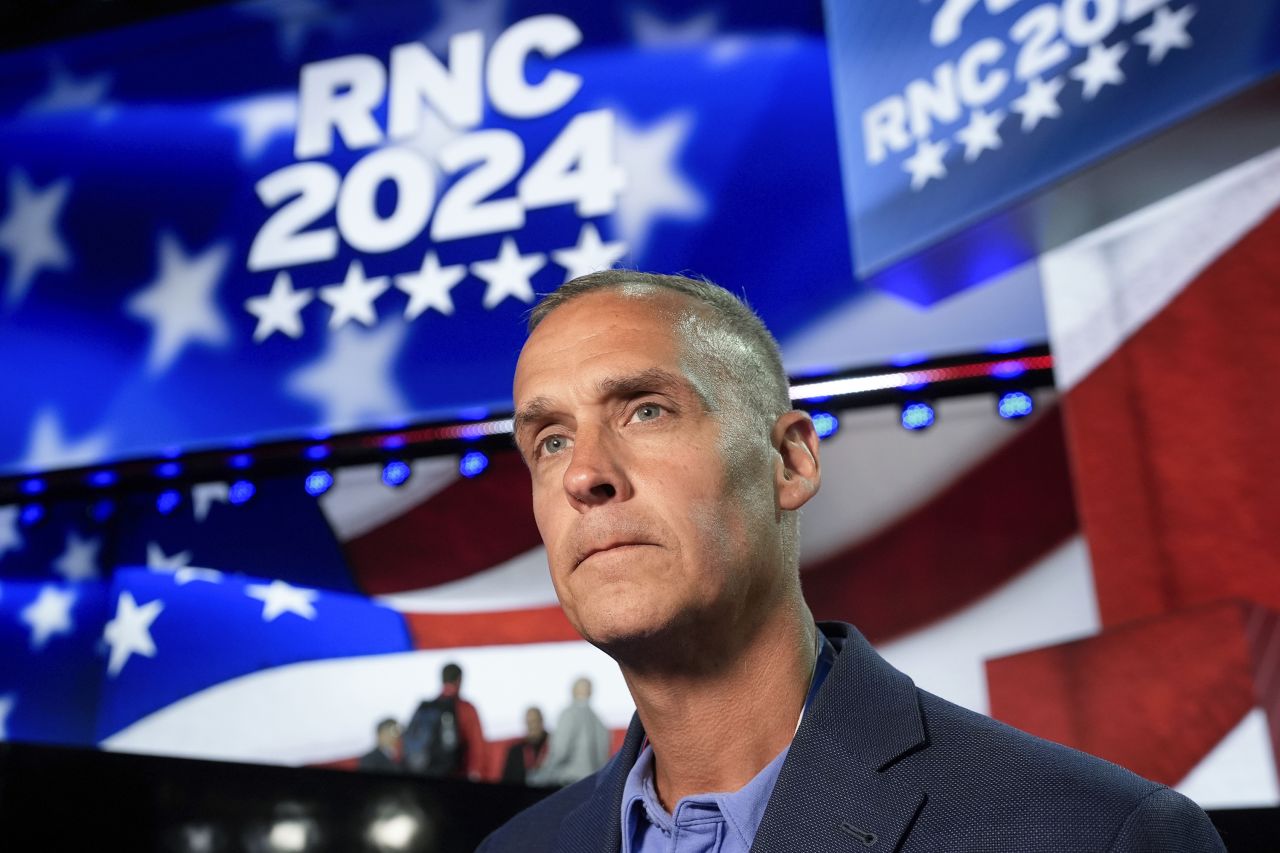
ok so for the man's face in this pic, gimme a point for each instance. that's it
(647, 529)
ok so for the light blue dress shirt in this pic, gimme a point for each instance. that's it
(704, 823)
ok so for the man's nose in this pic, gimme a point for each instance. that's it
(595, 474)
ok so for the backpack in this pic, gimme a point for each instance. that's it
(432, 743)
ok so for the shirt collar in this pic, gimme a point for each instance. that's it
(742, 809)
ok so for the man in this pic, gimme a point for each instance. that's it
(668, 469)
(385, 755)
(579, 745)
(527, 754)
(444, 737)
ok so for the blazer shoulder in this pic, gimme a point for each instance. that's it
(1167, 822)
(536, 827)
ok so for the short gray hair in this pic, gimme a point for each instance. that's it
(752, 368)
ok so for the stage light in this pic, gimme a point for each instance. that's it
(168, 470)
(102, 478)
(318, 482)
(1015, 404)
(33, 486)
(31, 515)
(1008, 369)
(241, 461)
(317, 451)
(395, 473)
(240, 491)
(825, 423)
(103, 509)
(917, 416)
(472, 464)
(167, 501)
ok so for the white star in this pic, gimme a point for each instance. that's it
(7, 701)
(29, 232)
(203, 496)
(260, 119)
(278, 311)
(79, 561)
(279, 598)
(10, 537)
(353, 299)
(926, 164)
(655, 188)
(48, 448)
(982, 133)
(458, 16)
(648, 28)
(354, 379)
(590, 254)
(159, 561)
(294, 20)
(508, 274)
(179, 304)
(1040, 101)
(1166, 31)
(184, 576)
(49, 614)
(429, 287)
(129, 633)
(1100, 68)
(66, 93)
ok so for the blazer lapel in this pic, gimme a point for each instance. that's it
(596, 825)
(832, 794)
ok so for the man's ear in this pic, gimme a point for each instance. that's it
(797, 473)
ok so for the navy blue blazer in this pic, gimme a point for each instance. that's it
(881, 766)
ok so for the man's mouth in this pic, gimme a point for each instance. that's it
(608, 548)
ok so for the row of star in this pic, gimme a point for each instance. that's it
(508, 274)
(1100, 68)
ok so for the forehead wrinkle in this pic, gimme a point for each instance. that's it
(649, 379)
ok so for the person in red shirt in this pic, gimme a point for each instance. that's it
(444, 737)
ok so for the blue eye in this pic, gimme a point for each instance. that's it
(553, 444)
(647, 412)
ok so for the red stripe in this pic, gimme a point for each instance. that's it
(501, 628)
(1154, 696)
(1173, 442)
(470, 525)
(1000, 517)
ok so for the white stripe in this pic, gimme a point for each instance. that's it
(1051, 602)
(321, 711)
(1238, 773)
(521, 583)
(876, 471)
(359, 501)
(1102, 287)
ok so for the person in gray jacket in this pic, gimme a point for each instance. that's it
(579, 742)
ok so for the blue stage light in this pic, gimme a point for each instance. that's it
(317, 451)
(33, 487)
(318, 482)
(240, 491)
(168, 470)
(395, 472)
(31, 514)
(103, 509)
(102, 478)
(241, 461)
(472, 464)
(168, 500)
(1008, 369)
(918, 416)
(825, 423)
(1015, 404)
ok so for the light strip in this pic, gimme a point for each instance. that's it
(906, 378)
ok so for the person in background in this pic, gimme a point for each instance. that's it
(528, 753)
(444, 737)
(385, 755)
(579, 744)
